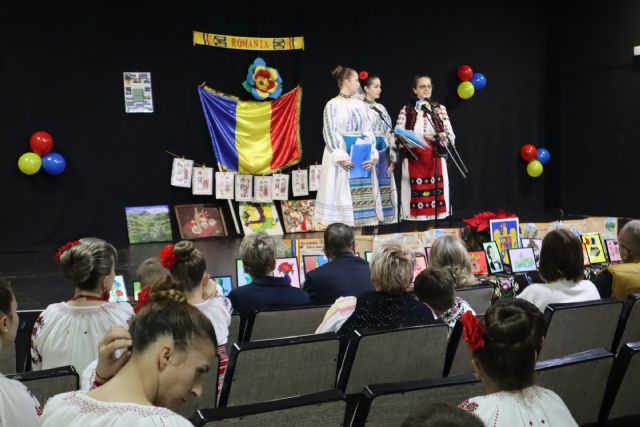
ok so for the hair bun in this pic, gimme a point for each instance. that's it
(77, 263)
(336, 71)
(183, 249)
(510, 325)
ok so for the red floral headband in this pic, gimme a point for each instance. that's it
(65, 248)
(473, 331)
(167, 257)
(363, 75)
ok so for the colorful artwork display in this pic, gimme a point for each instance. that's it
(148, 224)
(260, 218)
(506, 233)
(118, 291)
(138, 96)
(199, 221)
(262, 189)
(224, 185)
(280, 187)
(202, 181)
(224, 282)
(244, 188)
(494, 260)
(311, 262)
(478, 263)
(421, 264)
(288, 269)
(522, 260)
(181, 170)
(242, 277)
(585, 255)
(535, 244)
(613, 248)
(595, 250)
(297, 215)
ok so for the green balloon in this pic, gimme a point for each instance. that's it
(466, 90)
(29, 163)
(534, 168)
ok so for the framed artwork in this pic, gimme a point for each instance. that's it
(585, 255)
(260, 217)
(613, 249)
(225, 185)
(199, 221)
(202, 183)
(314, 177)
(368, 256)
(522, 260)
(421, 264)
(148, 224)
(311, 262)
(244, 188)
(288, 269)
(506, 233)
(280, 187)
(118, 291)
(479, 263)
(243, 278)
(224, 282)
(300, 182)
(262, 189)
(138, 96)
(137, 287)
(297, 215)
(494, 260)
(535, 244)
(181, 172)
(595, 250)
(427, 251)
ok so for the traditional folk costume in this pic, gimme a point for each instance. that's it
(340, 198)
(387, 154)
(18, 407)
(418, 186)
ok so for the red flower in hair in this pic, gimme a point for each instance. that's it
(167, 257)
(144, 298)
(363, 75)
(473, 331)
(65, 248)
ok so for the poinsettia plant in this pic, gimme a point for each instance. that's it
(477, 230)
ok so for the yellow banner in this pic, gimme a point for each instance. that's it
(248, 43)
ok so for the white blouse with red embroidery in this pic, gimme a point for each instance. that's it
(18, 407)
(531, 406)
(76, 409)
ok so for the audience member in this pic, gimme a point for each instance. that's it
(68, 333)
(562, 268)
(148, 272)
(174, 345)
(449, 253)
(258, 254)
(436, 288)
(390, 305)
(344, 275)
(441, 415)
(621, 280)
(504, 355)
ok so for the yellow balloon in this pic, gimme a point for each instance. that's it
(29, 163)
(466, 90)
(534, 168)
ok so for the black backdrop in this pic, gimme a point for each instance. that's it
(61, 71)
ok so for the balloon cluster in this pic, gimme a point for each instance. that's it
(535, 158)
(471, 82)
(41, 156)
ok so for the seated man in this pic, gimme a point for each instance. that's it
(344, 275)
(258, 253)
(620, 280)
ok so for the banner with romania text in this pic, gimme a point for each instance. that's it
(248, 43)
(253, 137)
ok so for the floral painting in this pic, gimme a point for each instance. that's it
(260, 218)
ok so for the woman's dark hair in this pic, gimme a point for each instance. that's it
(435, 288)
(441, 415)
(86, 264)
(561, 256)
(341, 74)
(509, 354)
(368, 81)
(6, 297)
(190, 265)
(169, 314)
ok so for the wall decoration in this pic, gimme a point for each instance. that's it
(225, 185)
(244, 188)
(280, 187)
(148, 224)
(297, 215)
(314, 177)
(506, 233)
(260, 218)
(138, 97)
(199, 221)
(263, 82)
(202, 183)
(262, 189)
(300, 182)
(248, 43)
(181, 170)
(288, 269)
(594, 247)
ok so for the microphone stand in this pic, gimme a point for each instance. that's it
(438, 126)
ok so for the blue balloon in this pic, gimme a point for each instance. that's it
(543, 156)
(479, 81)
(53, 163)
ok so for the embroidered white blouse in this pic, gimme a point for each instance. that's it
(18, 407)
(68, 335)
(218, 309)
(543, 294)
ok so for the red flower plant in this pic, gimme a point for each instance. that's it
(480, 221)
(363, 75)
(167, 257)
(144, 298)
(285, 267)
(65, 248)
(473, 332)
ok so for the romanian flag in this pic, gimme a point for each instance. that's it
(253, 137)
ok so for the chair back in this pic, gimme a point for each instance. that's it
(580, 380)
(382, 355)
(8, 360)
(629, 327)
(580, 326)
(623, 389)
(478, 297)
(27, 319)
(390, 404)
(234, 332)
(209, 396)
(325, 408)
(49, 382)
(458, 353)
(274, 369)
(283, 322)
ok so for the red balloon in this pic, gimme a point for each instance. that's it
(465, 73)
(528, 152)
(41, 143)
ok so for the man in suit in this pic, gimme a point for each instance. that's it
(344, 275)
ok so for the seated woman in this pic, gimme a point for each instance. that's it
(148, 272)
(621, 280)
(390, 305)
(562, 268)
(68, 333)
(258, 254)
(436, 288)
(504, 355)
(449, 253)
(174, 345)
